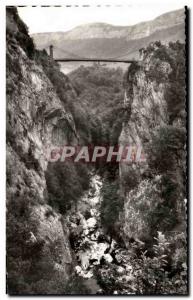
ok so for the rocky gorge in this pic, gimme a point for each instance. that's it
(95, 229)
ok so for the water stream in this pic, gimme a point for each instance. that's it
(93, 247)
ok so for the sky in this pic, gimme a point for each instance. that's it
(51, 19)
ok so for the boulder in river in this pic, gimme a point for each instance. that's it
(108, 258)
(91, 222)
(84, 257)
(120, 270)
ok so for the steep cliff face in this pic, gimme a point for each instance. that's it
(154, 189)
(36, 120)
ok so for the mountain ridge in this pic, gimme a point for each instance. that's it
(106, 40)
(175, 17)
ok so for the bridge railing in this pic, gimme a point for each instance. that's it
(76, 58)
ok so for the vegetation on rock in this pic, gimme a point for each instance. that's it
(139, 216)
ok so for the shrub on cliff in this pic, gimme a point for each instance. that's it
(76, 286)
(21, 35)
(166, 146)
(176, 92)
(21, 254)
(157, 276)
(111, 206)
(66, 182)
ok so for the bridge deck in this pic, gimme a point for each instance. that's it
(94, 59)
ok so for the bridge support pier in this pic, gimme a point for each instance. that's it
(51, 51)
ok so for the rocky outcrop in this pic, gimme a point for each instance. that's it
(36, 120)
(154, 189)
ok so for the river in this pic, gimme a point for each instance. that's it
(96, 252)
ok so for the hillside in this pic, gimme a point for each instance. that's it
(105, 40)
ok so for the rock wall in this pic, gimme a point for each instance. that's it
(154, 190)
(36, 120)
